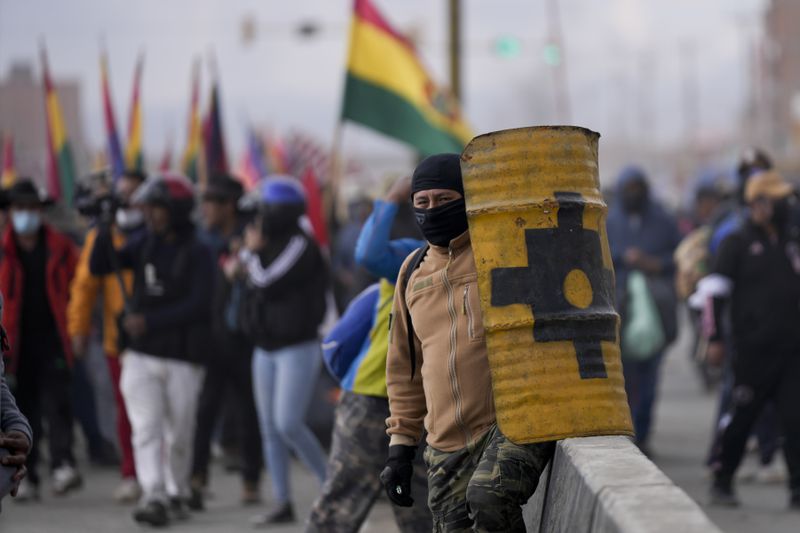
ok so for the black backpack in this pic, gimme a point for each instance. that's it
(416, 261)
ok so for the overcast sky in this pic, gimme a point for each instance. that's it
(622, 56)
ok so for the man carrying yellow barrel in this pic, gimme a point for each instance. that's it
(438, 373)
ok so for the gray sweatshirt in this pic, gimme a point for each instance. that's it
(11, 419)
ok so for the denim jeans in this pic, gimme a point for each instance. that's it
(283, 385)
(641, 385)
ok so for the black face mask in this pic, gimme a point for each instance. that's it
(442, 224)
(634, 202)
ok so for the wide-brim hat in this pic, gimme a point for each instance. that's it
(25, 192)
(767, 184)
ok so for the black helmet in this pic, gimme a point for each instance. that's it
(170, 190)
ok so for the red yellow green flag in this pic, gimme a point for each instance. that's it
(389, 90)
(61, 167)
(9, 175)
(134, 157)
(191, 154)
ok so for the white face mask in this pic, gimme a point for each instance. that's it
(26, 222)
(129, 218)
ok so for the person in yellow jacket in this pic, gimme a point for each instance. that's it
(84, 291)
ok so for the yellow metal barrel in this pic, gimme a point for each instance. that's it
(546, 282)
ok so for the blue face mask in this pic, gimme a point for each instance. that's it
(26, 222)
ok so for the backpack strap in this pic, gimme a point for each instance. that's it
(419, 255)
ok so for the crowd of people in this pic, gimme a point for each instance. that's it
(214, 311)
(735, 266)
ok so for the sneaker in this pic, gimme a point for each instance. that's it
(153, 514)
(177, 509)
(773, 473)
(128, 491)
(65, 479)
(722, 495)
(195, 501)
(251, 494)
(27, 492)
(281, 514)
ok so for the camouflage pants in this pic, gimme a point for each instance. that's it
(483, 486)
(358, 455)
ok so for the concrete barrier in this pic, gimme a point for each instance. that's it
(606, 485)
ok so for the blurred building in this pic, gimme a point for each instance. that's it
(781, 73)
(22, 114)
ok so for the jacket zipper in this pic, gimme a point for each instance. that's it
(454, 387)
(468, 312)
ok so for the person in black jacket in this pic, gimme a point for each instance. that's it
(283, 307)
(229, 368)
(757, 273)
(165, 332)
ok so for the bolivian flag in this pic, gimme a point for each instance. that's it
(389, 90)
(61, 167)
(190, 163)
(134, 159)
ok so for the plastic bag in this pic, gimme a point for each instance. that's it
(643, 333)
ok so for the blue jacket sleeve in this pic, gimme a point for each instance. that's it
(11, 419)
(730, 224)
(344, 342)
(197, 302)
(381, 256)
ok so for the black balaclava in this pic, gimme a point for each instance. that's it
(444, 223)
(634, 199)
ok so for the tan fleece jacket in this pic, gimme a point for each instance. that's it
(452, 388)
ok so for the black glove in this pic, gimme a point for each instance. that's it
(396, 477)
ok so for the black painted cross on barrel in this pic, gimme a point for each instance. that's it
(554, 254)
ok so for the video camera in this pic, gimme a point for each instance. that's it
(94, 198)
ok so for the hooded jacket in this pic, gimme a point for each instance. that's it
(653, 231)
(450, 394)
(172, 287)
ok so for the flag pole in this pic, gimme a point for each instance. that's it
(336, 177)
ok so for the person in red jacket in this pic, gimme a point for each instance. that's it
(35, 272)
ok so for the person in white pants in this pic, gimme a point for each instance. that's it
(161, 395)
(166, 334)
